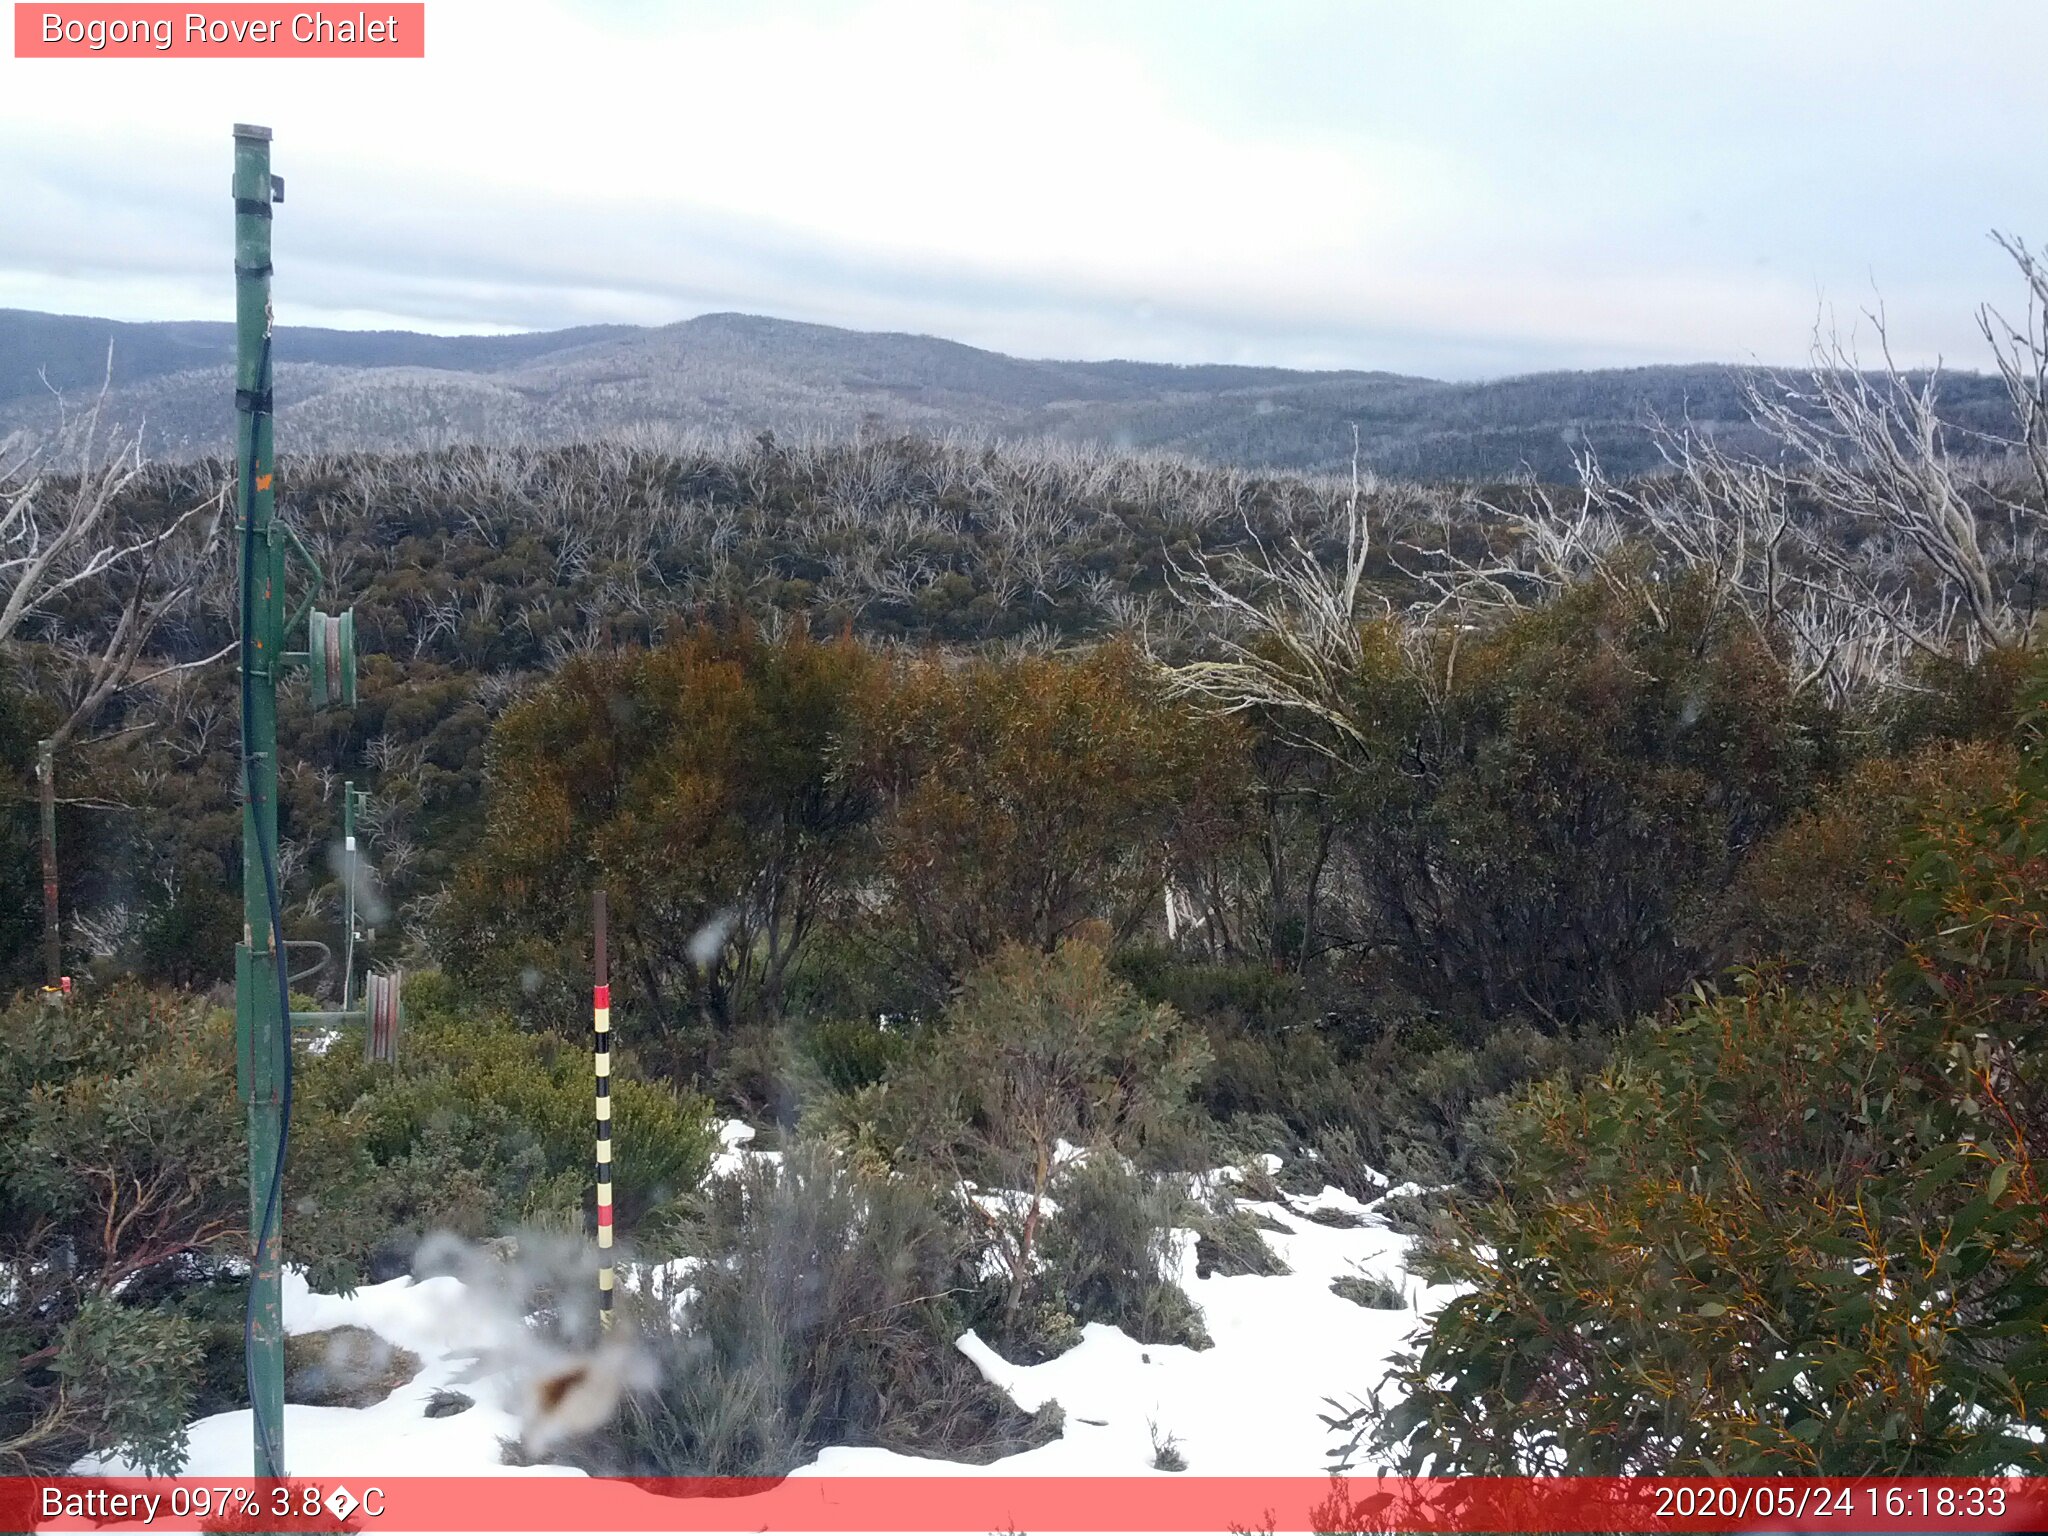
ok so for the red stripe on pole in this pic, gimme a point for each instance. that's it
(604, 1215)
(600, 997)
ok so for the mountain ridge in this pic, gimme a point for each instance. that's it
(727, 373)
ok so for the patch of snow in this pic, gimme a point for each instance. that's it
(733, 1136)
(456, 1341)
(1251, 1405)
(1332, 1199)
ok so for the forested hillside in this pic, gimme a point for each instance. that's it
(724, 378)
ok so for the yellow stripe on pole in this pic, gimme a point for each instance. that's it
(604, 1106)
(604, 1278)
(604, 1193)
(603, 1018)
(604, 1235)
(604, 1063)
(604, 1151)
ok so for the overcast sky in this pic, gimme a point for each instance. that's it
(1445, 187)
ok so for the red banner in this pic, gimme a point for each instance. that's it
(978, 1504)
(236, 31)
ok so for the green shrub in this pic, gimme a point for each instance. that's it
(1812, 896)
(1340, 1160)
(1245, 1137)
(857, 972)
(1243, 995)
(1374, 1291)
(1755, 1245)
(1545, 809)
(698, 781)
(1389, 1107)
(1022, 800)
(24, 718)
(851, 1054)
(1037, 1050)
(121, 1178)
(129, 1374)
(1790, 1230)
(827, 1309)
(1228, 1241)
(215, 1303)
(1166, 1452)
(758, 1075)
(1958, 699)
(482, 1127)
(1109, 1250)
(1424, 1215)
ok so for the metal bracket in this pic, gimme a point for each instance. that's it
(294, 545)
(326, 958)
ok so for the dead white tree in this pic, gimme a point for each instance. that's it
(1871, 447)
(2021, 351)
(1289, 626)
(64, 539)
(58, 538)
(1877, 532)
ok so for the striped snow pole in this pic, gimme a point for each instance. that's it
(601, 1017)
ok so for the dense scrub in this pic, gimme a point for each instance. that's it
(826, 1309)
(480, 1130)
(933, 848)
(474, 572)
(1545, 836)
(1793, 1227)
(124, 1196)
(120, 1165)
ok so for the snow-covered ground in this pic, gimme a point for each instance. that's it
(1249, 1406)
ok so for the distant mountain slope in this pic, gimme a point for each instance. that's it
(73, 348)
(727, 373)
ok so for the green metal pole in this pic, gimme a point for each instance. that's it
(260, 1043)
